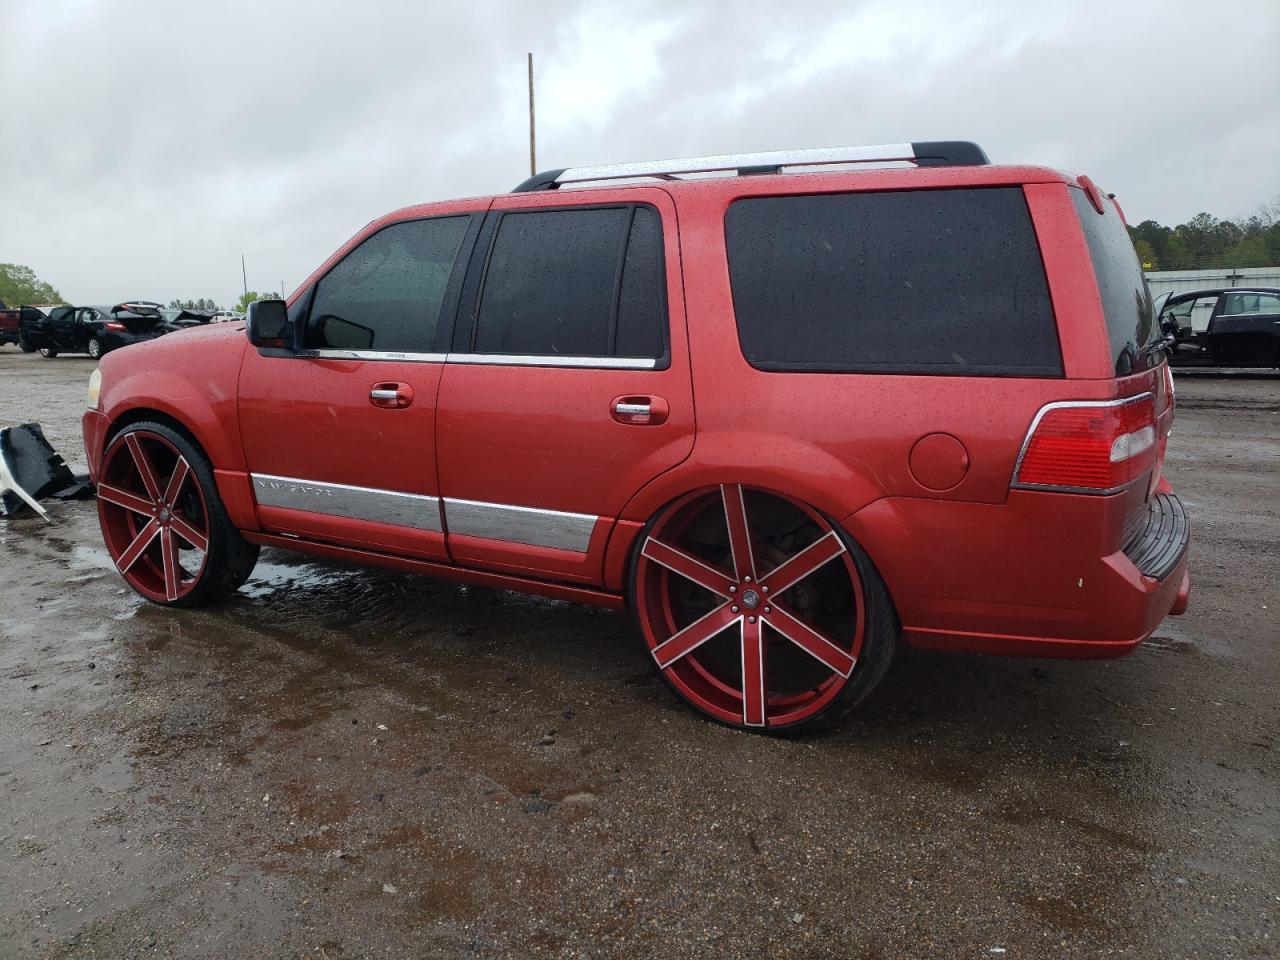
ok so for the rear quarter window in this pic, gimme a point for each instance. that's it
(920, 281)
(1132, 330)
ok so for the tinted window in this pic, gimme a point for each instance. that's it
(1126, 301)
(642, 300)
(386, 293)
(579, 282)
(926, 281)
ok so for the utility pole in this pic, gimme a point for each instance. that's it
(533, 153)
(244, 276)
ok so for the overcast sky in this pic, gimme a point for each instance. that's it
(146, 145)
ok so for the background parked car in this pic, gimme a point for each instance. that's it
(94, 330)
(181, 319)
(227, 316)
(1232, 326)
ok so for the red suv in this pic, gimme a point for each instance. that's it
(790, 420)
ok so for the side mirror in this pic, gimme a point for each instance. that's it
(267, 323)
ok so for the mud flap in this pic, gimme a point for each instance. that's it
(30, 469)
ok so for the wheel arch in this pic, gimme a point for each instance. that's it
(835, 487)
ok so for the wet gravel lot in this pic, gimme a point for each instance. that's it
(344, 763)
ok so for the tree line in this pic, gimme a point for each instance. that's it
(1205, 242)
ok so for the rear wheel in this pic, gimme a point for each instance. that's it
(163, 521)
(94, 348)
(24, 344)
(48, 352)
(759, 611)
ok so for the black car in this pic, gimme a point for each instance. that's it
(1242, 327)
(92, 330)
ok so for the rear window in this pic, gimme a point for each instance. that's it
(1126, 301)
(919, 281)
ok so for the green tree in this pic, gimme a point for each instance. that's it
(253, 295)
(19, 284)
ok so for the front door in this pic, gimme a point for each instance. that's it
(340, 438)
(568, 387)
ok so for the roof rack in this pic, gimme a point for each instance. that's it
(925, 153)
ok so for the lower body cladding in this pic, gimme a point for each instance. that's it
(552, 529)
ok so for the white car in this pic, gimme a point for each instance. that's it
(226, 316)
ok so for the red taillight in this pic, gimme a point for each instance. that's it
(112, 325)
(1091, 447)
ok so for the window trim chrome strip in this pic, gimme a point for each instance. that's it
(537, 360)
(489, 359)
(403, 357)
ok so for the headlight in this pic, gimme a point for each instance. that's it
(95, 387)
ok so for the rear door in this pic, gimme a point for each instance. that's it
(1245, 329)
(568, 386)
(340, 437)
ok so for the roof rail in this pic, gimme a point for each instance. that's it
(924, 153)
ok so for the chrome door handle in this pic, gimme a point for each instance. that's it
(391, 394)
(639, 411)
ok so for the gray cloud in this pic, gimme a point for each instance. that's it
(148, 144)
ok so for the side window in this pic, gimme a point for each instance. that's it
(386, 294)
(575, 283)
(920, 281)
(1250, 304)
(87, 316)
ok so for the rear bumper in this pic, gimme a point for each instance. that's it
(1036, 576)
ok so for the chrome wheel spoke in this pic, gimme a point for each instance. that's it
(818, 646)
(693, 636)
(735, 517)
(139, 545)
(688, 566)
(123, 498)
(819, 553)
(754, 695)
(169, 557)
(189, 533)
(180, 473)
(143, 465)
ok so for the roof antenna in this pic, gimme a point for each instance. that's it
(533, 156)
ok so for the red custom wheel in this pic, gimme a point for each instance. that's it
(162, 521)
(756, 609)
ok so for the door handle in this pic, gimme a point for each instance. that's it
(639, 411)
(391, 394)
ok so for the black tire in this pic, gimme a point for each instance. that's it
(94, 348)
(881, 640)
(231, 558)
(24, 344)
(48, 352)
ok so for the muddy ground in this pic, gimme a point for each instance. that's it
(342, 763)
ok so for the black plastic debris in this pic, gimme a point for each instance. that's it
(31, 470)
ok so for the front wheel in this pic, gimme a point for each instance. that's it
(759, 611)
(163, 521)
(24, 344)
(48, 352)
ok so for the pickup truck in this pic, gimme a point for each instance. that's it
(1228, 327)
(11, 320)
